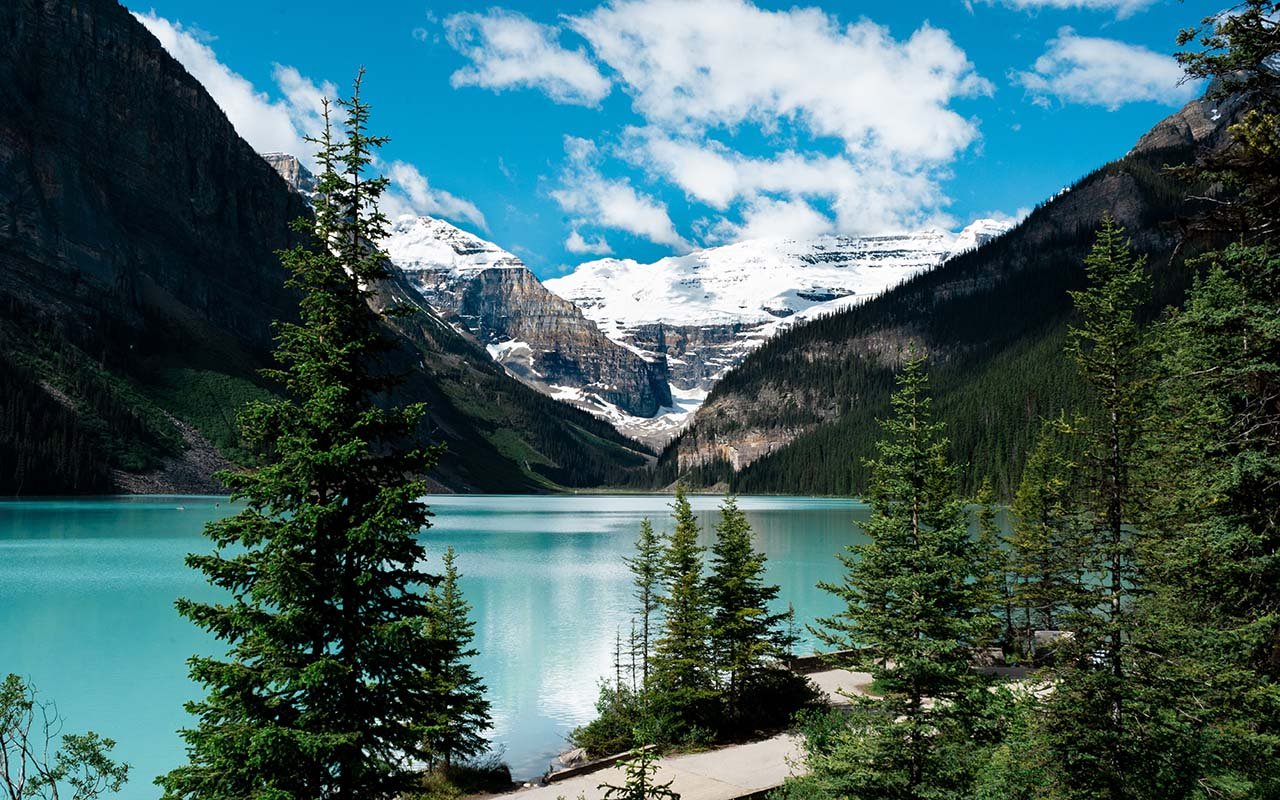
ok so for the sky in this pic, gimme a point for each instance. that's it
(566, 132)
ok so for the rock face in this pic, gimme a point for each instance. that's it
(536, 335)
(290, 168)
(1201, 122)
(122, 180)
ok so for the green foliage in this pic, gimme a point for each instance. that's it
(1098, 720)
(1046, 549)
(646, 577)
(746, 639)
(681, 667)
(913, 616)
(641, 782)
(327, 688)
(40, 762)
(463, 712)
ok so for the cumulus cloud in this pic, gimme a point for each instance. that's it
(1121, 8)
(867, 195)
(1104, 72)
(508, 50)
(411, 193)
(853, 116)
(596, 245)
(719, 63)
(772, 217)
(608, 202)
(282, 124)
(269, 125)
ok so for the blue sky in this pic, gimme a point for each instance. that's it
(639, 128)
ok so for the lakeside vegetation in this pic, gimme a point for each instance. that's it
(1140, 585)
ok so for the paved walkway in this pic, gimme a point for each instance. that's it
(724, 774)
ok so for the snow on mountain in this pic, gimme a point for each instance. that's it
(756, 281)
(705, 311)
(537, 336)
(417, 244)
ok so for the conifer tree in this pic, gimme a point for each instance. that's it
(910, 617)
(1046, 546)
(326, 690)
(464, 712)
(1097, 713)
(646, 577)
(681, 663)
(746, 637)
(993, 567)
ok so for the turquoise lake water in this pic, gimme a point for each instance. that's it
(87, 589)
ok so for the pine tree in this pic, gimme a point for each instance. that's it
(746, 638)
(640, 781)
(680, 667)
(1097, 714)
(1047, 546)
(464, 711)
(327, 686)
(646, 572)
(910, 600)
(993, 565)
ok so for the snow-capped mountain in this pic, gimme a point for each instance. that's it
(536, 335)
(706, 310)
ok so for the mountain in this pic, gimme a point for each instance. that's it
(139, 281)
(799, 414)
(702, 313)
(540, 338)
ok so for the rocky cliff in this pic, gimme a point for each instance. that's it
(139, 280)
(538, 336)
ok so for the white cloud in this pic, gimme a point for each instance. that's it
(851, 115)
(509, 50)
(721, 63)
(596, 245)
(411, 193)
(282, 125)
(867, 195)
(266, 124)
(771, 217)
(1121, 8)
(608, 202)
(1104, 72)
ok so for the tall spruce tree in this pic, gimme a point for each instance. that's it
(746, 638)
(1213, 618)
(1047, 547)
(1099, 722)
(681, 664)
(463, 715)
(646, 577)
(992, 570)
(910, 616)
(326, 689)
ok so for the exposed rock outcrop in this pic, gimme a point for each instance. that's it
(538, 336)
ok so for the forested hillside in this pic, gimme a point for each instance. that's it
(800, 414)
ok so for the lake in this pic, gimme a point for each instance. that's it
(87, 589)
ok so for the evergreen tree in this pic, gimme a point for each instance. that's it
(1099, 720)
(746, 638)
(1046, 548)
(327, 688)
(464, 711)
(909, 616)
(993, 567)
(646, 576)
(641, 781)
(681, 664)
